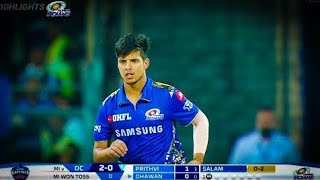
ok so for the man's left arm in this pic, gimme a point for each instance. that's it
(200, 137)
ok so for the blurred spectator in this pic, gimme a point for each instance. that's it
(35, 66)
(265, 144)
(45, 89)
(31, 97)
(63, 137)
(30, 100)
(26, 125)
(73, 126)
(57, 65)
(35, 74)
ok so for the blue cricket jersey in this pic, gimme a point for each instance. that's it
(148, 129)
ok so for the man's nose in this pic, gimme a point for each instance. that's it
(128, 66)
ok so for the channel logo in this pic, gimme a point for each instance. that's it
(303, 173)
(57, 9)
(20, 172)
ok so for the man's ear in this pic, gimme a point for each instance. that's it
(146, 63)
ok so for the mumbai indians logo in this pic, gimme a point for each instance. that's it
(20, 172)
(57, 9)
(154, 114)
(303, 173)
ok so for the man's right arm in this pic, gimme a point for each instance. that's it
(102, 153)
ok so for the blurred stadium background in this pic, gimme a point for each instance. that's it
(229, 58)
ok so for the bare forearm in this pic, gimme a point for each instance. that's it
(200, 137)
(101, 155)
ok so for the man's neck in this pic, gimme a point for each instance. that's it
(133, 91)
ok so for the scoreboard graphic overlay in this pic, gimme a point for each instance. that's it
(24, 171)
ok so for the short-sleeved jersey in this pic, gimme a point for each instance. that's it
(148, 129)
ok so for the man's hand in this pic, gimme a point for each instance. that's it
(117, 149)
(197, 159)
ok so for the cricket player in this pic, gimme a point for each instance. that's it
(136, 124)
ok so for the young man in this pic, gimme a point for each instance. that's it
(142, 113)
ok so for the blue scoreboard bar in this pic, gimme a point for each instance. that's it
(224, 168)
(36, 171)
(153, 172)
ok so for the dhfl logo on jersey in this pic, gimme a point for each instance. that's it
(119, 117)
(180, 96)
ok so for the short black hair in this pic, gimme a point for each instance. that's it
(132, 42)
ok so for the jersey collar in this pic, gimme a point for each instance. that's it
(146, 93)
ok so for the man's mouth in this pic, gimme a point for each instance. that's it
(129, 75)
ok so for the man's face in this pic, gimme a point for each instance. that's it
(132, 67)
(265, 119)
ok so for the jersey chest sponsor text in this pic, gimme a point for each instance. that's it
(137, 131)
(119, 117)
(149, 115)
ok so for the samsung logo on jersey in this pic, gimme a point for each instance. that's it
(138, 131)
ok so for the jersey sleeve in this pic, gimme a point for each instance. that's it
(182, 109)
(102, 129)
